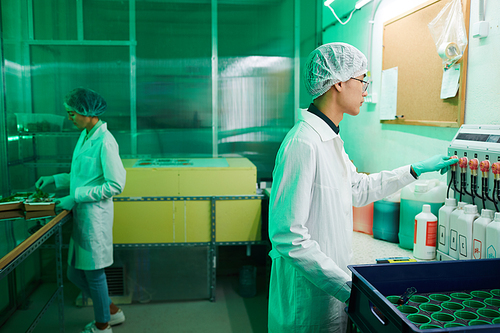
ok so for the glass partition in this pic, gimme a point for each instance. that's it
(56, 70)
(256, 79)
(174, 78)
(52, 19)
(152, 61)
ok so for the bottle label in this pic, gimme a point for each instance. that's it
(453, 239)
(462, 243)
(442, 235)
(431, 233)
(477, 248)
(415, 232)
(492, 252)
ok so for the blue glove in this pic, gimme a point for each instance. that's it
(65, 203)
(435, 163)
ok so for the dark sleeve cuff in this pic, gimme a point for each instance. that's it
(413, 173)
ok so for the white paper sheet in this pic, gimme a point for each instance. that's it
(449, 85)
(389, 94)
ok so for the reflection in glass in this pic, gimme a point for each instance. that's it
(154, 68)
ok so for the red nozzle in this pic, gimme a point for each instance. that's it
(454, 166)
(485, 166)
(495, 168)
(473, 164)
(462, 162)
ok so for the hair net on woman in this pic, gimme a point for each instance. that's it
(86, 102)
(332, 63)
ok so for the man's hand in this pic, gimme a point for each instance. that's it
(440, 163)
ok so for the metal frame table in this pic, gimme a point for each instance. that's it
(213, 243)
(21, 252)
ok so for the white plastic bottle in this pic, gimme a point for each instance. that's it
(493, 238)
(424, 242)
(479, 234)
(464, 229)
(453, 252)
(450, 204)
(430, 192)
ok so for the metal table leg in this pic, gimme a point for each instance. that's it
(58, 245)
(213, 254)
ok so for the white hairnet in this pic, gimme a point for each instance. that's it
(86, 102)
(332, 63)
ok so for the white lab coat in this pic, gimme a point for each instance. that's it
(314, 188)
(96, 175)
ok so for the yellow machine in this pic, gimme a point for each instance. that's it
(143, 214)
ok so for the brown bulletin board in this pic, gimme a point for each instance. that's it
(408, 45)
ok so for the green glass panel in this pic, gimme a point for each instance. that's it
(256, 79)
(106, 20)
(56, 70)
(54, 19)
(174, 78)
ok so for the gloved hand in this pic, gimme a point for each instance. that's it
(65, 203)
(44, 181)
(435, 163)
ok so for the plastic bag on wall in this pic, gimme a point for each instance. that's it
(449, 34)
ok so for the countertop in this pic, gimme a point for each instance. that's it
(366, 249)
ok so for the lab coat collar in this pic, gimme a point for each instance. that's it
(90, 141)
(319, 125)
(98, 132)
(313, 109)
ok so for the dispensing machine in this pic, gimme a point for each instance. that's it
(477, 148)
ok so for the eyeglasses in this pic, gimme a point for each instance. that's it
(365, 84)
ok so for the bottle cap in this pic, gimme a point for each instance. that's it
(462, 204)
(450, 202)
(426, 208)
(421, 187)
(488, 213)
(470, 209)
(497, 217)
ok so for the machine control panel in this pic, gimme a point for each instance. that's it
(492, 138)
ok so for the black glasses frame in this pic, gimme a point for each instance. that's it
(365, 84)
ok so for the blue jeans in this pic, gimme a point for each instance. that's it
(94, 284)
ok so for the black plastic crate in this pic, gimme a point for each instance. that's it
(371, 312)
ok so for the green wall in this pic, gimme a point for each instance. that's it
(371, 145)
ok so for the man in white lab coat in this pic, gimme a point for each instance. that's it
(97, 174)
(314, 188)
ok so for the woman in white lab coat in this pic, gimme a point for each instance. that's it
(314, 188)
(96, 175)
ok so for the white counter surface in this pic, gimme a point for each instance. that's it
(366, 249)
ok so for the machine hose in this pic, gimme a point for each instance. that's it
(474, 189)
(453, 180)
(473, 185)
(484, 191)
(496, 189)
(463, 185)
(449, 186)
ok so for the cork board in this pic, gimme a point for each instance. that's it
(408, 45)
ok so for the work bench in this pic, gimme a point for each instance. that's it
(20, 239)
